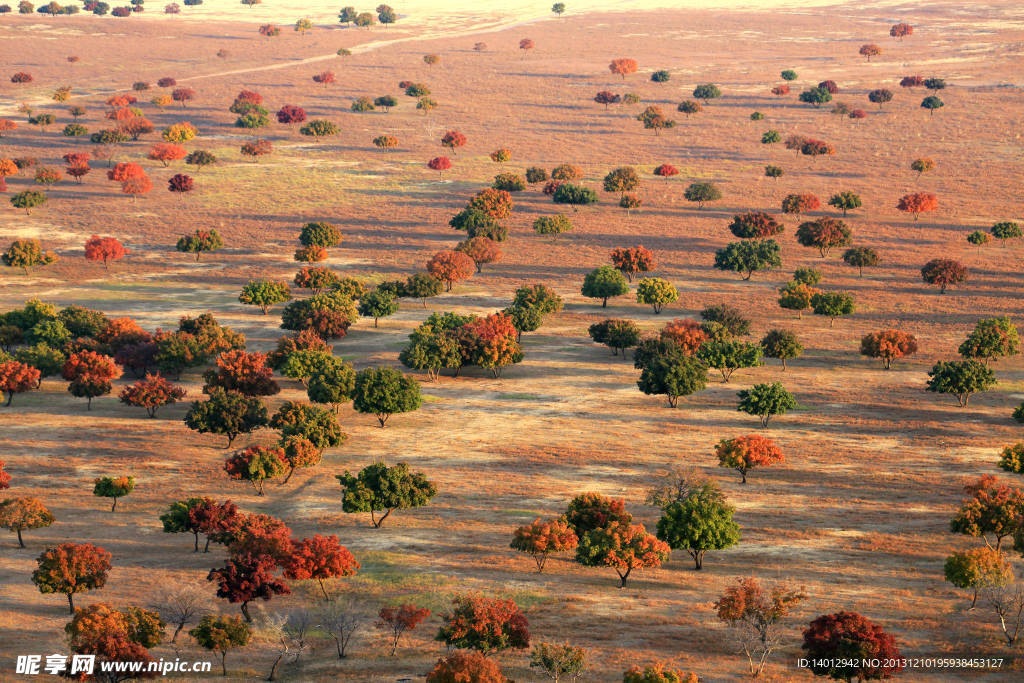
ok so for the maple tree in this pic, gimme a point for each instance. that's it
(944, 273)
(256, 464)
(113, 487)
(248, 577)
(104, 249)
(888, 345)
(917, 203)
(991, 509)
(846, 645)
(16, 378)
(19, 514)
(753, 613)
(466, 666)
(90, 374)
(320, 558)
(451, 266)
(623, 67)
(744, 453)
(485, 624)
(398, 620)
(623, 547)
(541, 539)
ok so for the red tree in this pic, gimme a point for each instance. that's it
(495, 203)
(780, 90)
(466, 666)
(900, 30)
(252, 535)
(151, 392)
(183, 95)
(167, 82)
(944, 273)
(744, 453)
(687, 334)
(180, 183)
(16, 378)
(320, 558)
(912, 82)
(632, 260)
(90, 374)
(291, 114)
(325, 78)
(606, 97)
(918, 203)
(78, 171)
(5, 477)
(889, 345)
(439, 164)
(257, 148)
(246, 373)
(104, 249)
(484, 624)
(541, 539)
(125, 170)
(450, 267)
(623, 67)
(137, 185)
(800, 203)
(666, 170)
(248, 578)
(453, 139)
(166, 152)
(846, 645)
(256, 464)
(215, 520)
(481, 249)
(830, 86)
(400, 619)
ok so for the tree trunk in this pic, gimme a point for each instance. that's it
(195, 544)
(206, 548)
(323, 590)
(245, 612)
(223, 663)
(71, 603)
(21, 543)
(273, 669)
(114, 506)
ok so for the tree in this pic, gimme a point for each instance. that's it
(559, 662)
(978, 568)
(552, 225)
(833, 305)
(923, 165)
(689, 107)
(931, 103)
(221, 633)
(900, 30)
(766, 400)
(846, 645)
(241, 372)
(589, 511)
(16, 378)
(870, 50)
(5, 477)
(661, 76)
(747, 452)
(880, 96)
(918, 203)
(180, 184)
(228, 413)
(71, 568)
(706, 92)
(541, 539)
(265, 293)
(19, 514)
(484, 624)
(991, 339)
(90, 374)
(451, 266)
(604, 283)
(961, 378)
(481, 249)
(632, 260)
(340, 618)
(816, 96)
(380, 304)
(978, 238)
(113, 487)
(673, 376)
(318, 128)
(622, 546)
(398, 620)
(700, 522)
(657, 673)
(654, 119)
(574, 195)
(329, 314)
(623, 67)
(151, 393)
(453, 139)
(731, 319)
(439, 164)
(889, 345)
(815, 148)
(179, 132)
(256, 464)
(770, 137)
(199, 242)
(780, 90)
(781, 344)
(753, 614)
(755, 224)
(385, 391)
(607, 97)
(618, 335)
(256, 149)
(421, 286)
(1006, 230)
(846, 201)
(113, 636)
(26, 254)
(991, 508)
(320, 558)
(859, 257)
(749, 256)
(621, 180)
(800, 203)
(380, 488)
(386, 15)
(702, 192)
(247, 577)
(728, 355)
(657, 292)
(944, 273)
(317, 425)
(104, 249)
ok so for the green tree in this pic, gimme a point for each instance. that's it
(731, 319)
(621, 180)
(332, 382)
(574, 195)
(26, 254)
(320, 235)
(317, 425)
(1012, 458)
(1006, 230)
(978, 568)
(846, 201)
(771, 137)
(559, 661)
(220, 633)
(378, 304)
(552, 225)
(421, 286)
(318, 128)
(991, 339)
(833, 305)
(707, 91)
(379, 488)
(200, 241)
(301, 364)
(604, 283)
(265, 293)
(816, 96)
(781, 344)
(384, 392)
(113, 487)
(657, 292)
(728, 355)
(931, 103)
(749, 256)
(789, 75)
(700, 522)
(961, 378)
(618, 335)
(861, 257)
(433, 345)
(766, 400)
(702, 192)
(674, 376)
(227, 413)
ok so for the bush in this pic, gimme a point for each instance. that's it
(552, 225)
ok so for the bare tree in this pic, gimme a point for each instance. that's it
(753, 613)
(675, 485)
(287, 633)
(181, 606)
(1008, 603)
(341, 618)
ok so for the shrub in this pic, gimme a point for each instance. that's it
(510, 182)
(552, 225)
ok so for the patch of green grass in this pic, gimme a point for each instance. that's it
(520, 397)
(427, 398)
(528, 514)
